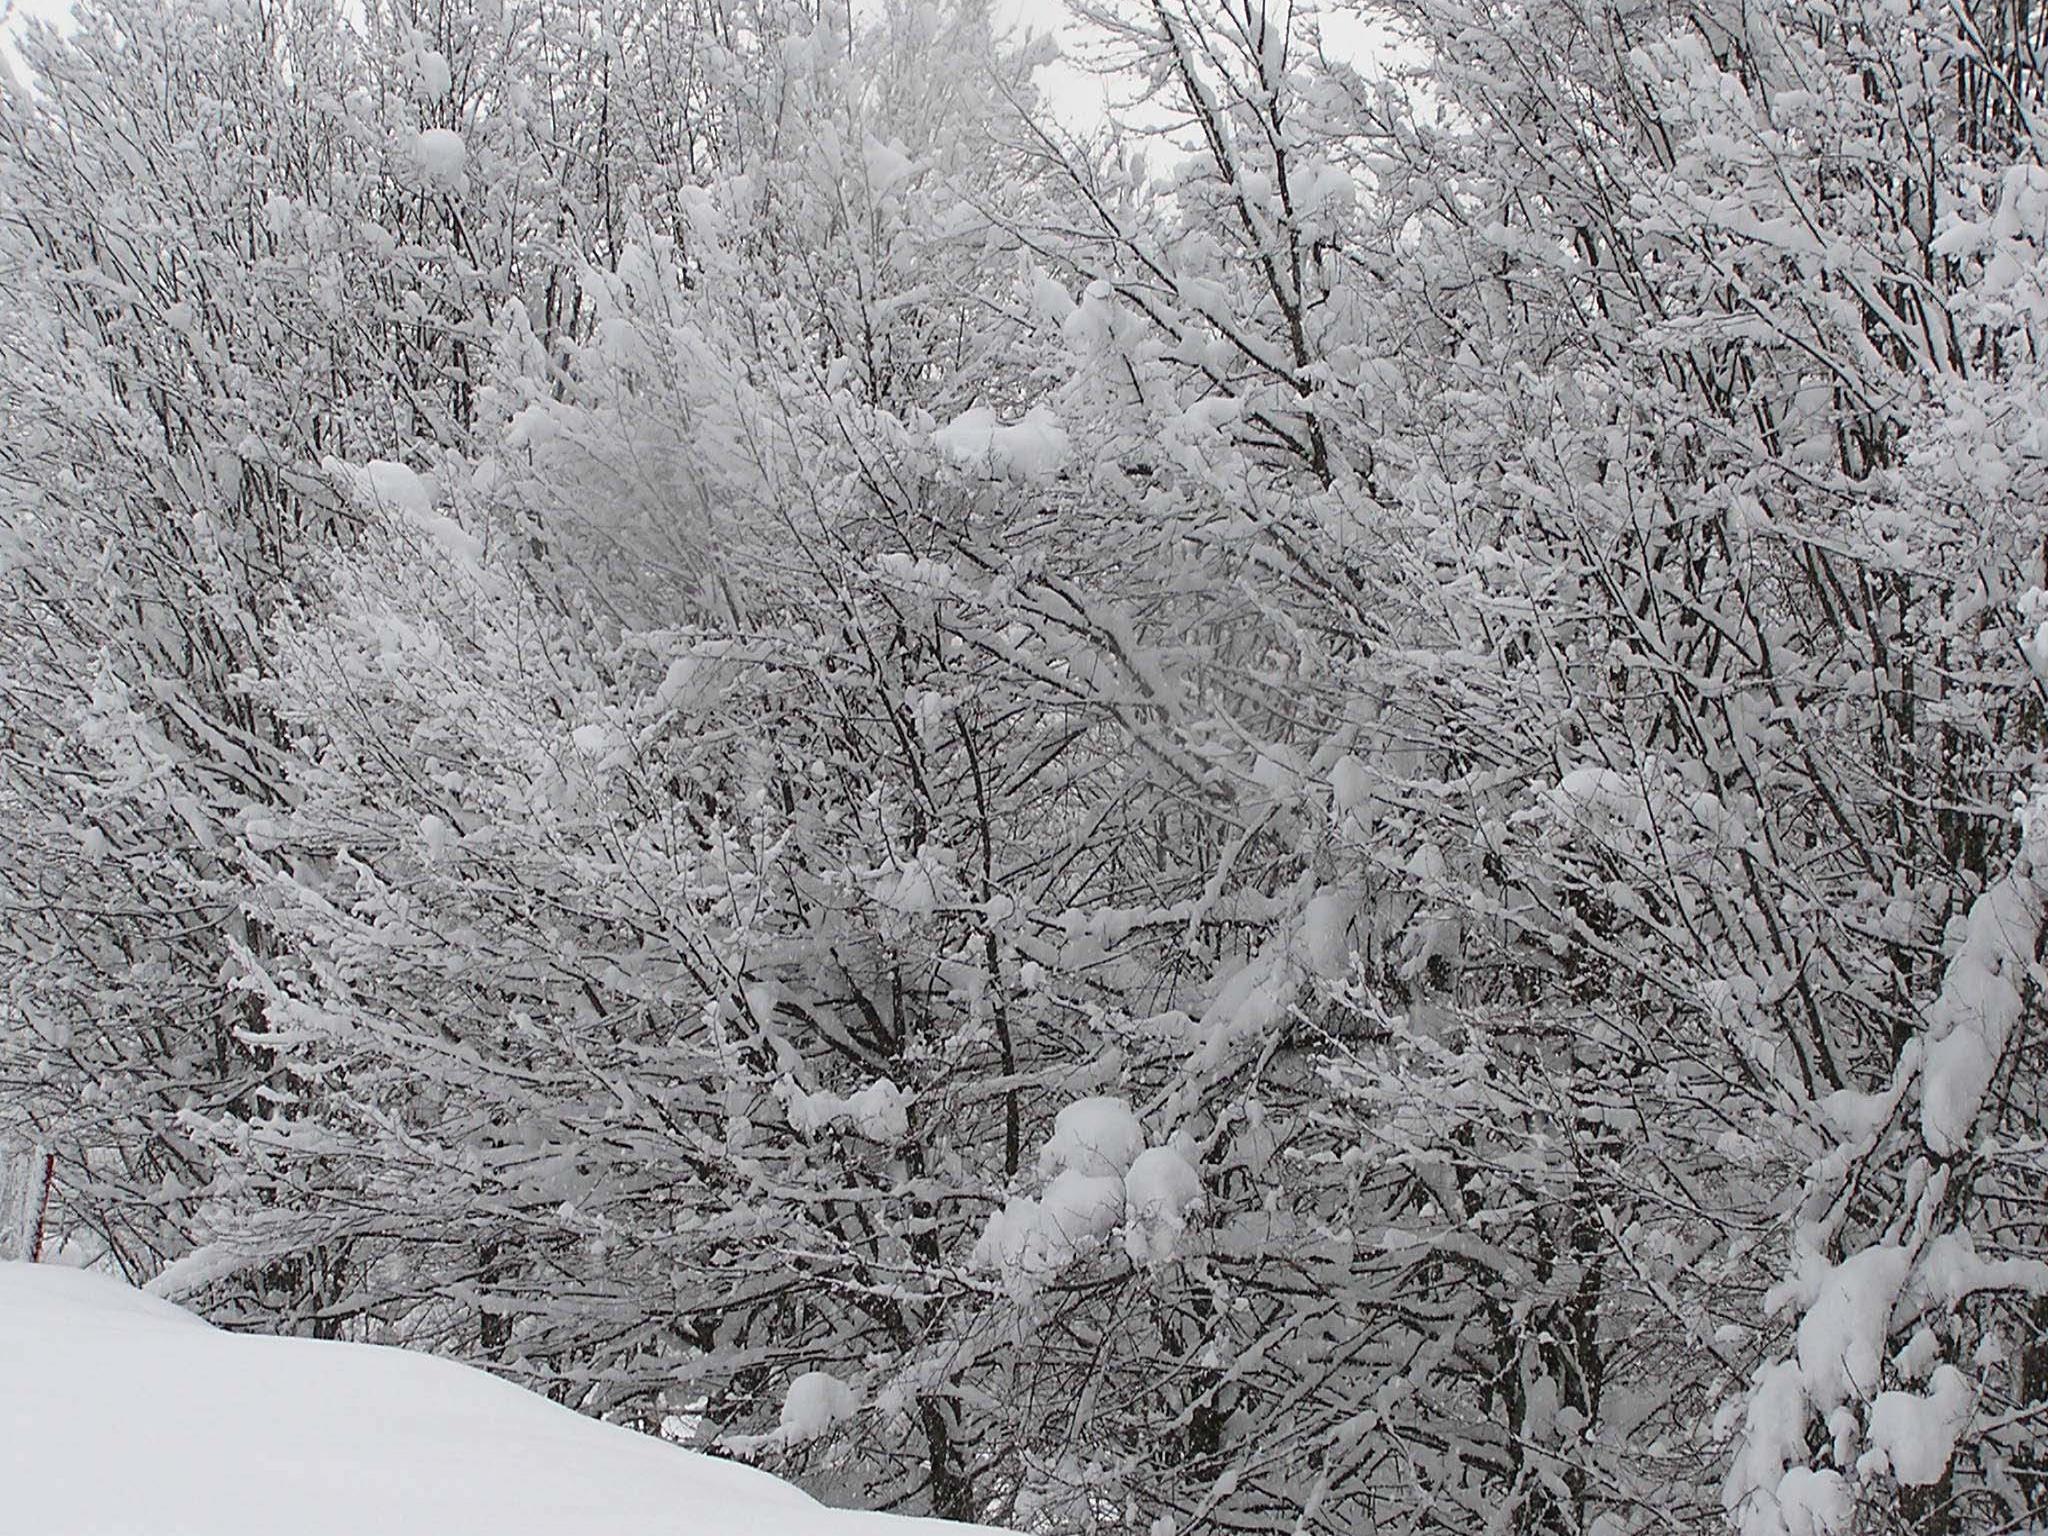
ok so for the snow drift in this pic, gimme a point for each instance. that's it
(121, 1415)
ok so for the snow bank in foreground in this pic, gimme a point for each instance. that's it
(121, 1415)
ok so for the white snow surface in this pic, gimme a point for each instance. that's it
(1099, 1176)
(121, 1415)
(1082, 1208)
(1980, 1005)
(1914, 1437)
(886, 164)
(1326, 930)
(880, 1111)
(1098, 1136)
(1841, 1337)
(441, 153)
(1030, 449)
(815, 1402)
(435, 77)
(2034, 644)
(1160, 1189)
(387, 483)
(399, 490)
(1029, 1240)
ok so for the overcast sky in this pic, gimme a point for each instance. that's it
(1074, 95)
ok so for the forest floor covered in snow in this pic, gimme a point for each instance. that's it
(122, 1415)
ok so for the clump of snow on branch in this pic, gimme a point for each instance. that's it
(1847, 1309)
(399, 491)
(1981, 1000)
(441, 155)
(1026, 450)
(1161, 1189)
(1912, 1435)
(1100, 1137)
(1099, 1176)
(817, 1402)
(880, 1112)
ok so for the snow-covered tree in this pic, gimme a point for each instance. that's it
(1299, 820)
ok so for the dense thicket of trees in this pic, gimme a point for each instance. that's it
(1331, 818)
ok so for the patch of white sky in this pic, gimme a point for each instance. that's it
(15, 15)
(1085, 98)
(1080, 97)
